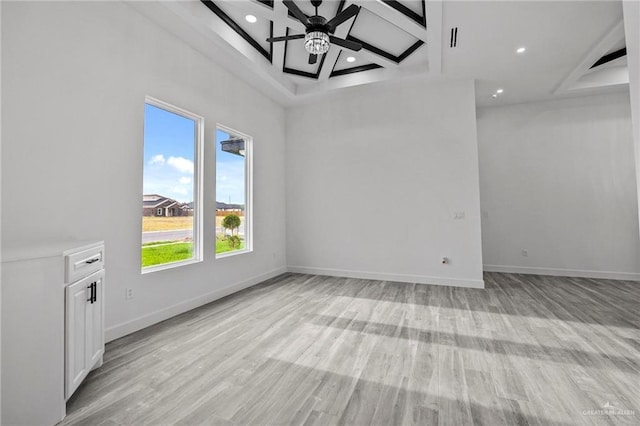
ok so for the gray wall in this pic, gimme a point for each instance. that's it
(557, 179)
(631, 10)
(74, 81)
(374, 176)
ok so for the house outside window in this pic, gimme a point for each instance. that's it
(172, 187)
(234, 188)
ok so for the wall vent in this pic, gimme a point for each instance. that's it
(454, 37)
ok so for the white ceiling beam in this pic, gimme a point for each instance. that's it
(359, 78)
(279, 29)
(259, 10)
(434, 35)
(375, 58)
(613, 36)
(396, 18)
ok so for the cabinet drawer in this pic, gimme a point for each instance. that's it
(80, 264)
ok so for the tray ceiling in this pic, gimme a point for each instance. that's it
(432, 39)
(394, 35)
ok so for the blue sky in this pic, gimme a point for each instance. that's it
(169, 159)
(229, 174)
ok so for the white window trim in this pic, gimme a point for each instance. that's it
(198, 175)
(248, 191)
(159, 211)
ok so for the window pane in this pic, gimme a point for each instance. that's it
(232, 201)
(169, 190)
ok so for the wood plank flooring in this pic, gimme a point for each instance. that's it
(316, 350)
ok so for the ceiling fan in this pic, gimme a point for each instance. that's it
(318, 38)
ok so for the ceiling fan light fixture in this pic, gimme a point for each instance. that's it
(316, 42)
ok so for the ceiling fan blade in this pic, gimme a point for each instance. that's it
(293, 8)
(343, 16)
(345, 43)
(285, 38)
(312, 58)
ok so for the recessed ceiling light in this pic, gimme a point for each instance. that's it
(250, 18)
(495, 95)
(351, 59)
(499, 91)
(521, 49)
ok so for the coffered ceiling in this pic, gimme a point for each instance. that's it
(382, 33)
(432, 39)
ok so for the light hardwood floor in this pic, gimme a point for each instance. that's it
(302, 349)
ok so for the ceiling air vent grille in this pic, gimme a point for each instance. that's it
(454, 37)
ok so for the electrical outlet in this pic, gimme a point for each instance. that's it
(525, 253)
(128, 293)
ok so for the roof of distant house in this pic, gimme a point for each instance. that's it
(153, 200)
(224, 206)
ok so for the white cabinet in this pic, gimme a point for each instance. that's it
(80, 264)
(84, 329)
(35, 278)
(32, 340)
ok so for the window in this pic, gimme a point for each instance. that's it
(172, 176)
(233, 192)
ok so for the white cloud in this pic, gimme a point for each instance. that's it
(178, 190)
(185, 180)
(181, 164)
(230, 182)
(157, 159)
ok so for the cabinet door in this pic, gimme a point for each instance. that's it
(76, 367)
(95, 323)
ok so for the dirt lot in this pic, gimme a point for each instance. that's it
(169, 223)
(150, 223)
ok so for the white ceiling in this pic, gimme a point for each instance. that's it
(563, 39)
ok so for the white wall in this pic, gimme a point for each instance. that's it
(374, 174)
(557, 179)
(74, 81)
(0, 204)
(631, 10)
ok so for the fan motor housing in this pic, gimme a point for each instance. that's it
(317, 23)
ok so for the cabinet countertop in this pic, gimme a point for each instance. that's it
(23, 250)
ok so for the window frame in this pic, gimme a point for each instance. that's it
(248, 190)
(198, 176)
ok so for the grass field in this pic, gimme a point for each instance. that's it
(156, 255)
(160, 252)
(166, 252)
(222, 246)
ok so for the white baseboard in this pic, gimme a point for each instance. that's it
(579, 273)
(128, 327)
(406, 278)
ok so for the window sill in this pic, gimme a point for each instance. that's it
(166, 266)
(232, 253)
